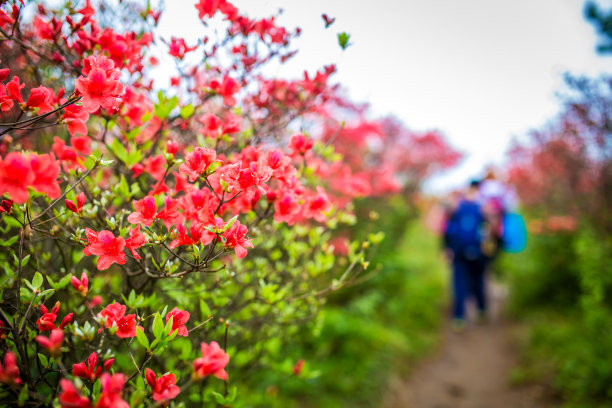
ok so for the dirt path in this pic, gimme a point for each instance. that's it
(470, 370)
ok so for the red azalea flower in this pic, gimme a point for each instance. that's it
(212, 124)
(172, 147)
(299, 144)
(227, 88)
(213, 362)
(66, 320)
(208, 7)
(170, 215)
(297, 368)
(87, 11)
(145, 211)
(53, 343)
(287, 208)
(95, 301)
(135, 241)
(179, 318)
(231, 124)
(197, 162)
(240, 178)
(66, 154)
(47, 320)
(107, 246)
(15, 176)
(41, 98)
(101, 87)
(126, 326)
(6, 104)
(137, 169)
(9, 372)
(6, 206)
(112, 313)
(80, 284)
(90, 371)
(156, 166)
(163, 388)
(195, 234)
(4, 73)
(70, 397)
(46, 171)
(112, 389)
(81, 144)
(114, 316)
(14, 88)
(78, 207)
(178, 48)
(235, 238)
(316, 205)
(75, 117)
(44, 30)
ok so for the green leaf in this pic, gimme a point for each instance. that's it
(119, 150)
(9, 241)
(187, 111)
(158, 326)
(122, 188)
(232, 394)
(229, 224)
(376, 238)
(343, 40)
(212, 167)
(168, 326)
(23, 395)
(134, 156)
(43, 360)
(132, 134)
(25, 260)
(46, 292)
(141, 337)
(63, 282)
(37, 280)
(204, 309)
(132, 297)
(219, 398)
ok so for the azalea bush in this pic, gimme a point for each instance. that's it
(163, 239)
(562, 281)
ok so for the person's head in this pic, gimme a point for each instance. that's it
(472, 190)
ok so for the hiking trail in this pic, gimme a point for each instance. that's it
(471, 369)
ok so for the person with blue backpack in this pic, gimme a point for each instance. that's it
(463, 240)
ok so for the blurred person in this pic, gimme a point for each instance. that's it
(496, 199)
(463, 242)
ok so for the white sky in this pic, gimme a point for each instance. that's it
(481, 71)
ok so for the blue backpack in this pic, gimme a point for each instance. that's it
(464, 231)
(514, 238)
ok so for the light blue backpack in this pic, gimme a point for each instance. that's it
(514, 238)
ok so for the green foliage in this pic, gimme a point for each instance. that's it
(561, 285)
(370, 331)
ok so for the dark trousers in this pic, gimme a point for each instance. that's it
(468, 279)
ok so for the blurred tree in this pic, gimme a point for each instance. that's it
(602, 20)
